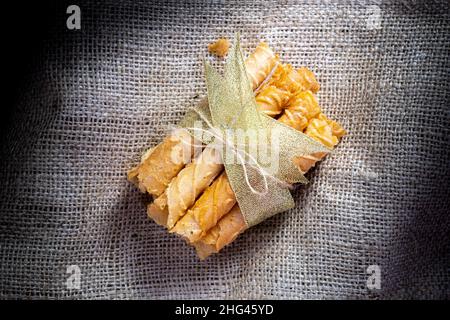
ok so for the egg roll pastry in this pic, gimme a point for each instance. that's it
(161, 164)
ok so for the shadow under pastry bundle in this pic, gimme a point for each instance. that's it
(192, 195)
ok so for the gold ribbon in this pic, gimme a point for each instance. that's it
(231, 109)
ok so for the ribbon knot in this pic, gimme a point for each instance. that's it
(231, 105)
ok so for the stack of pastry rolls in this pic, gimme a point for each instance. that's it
(192, 195)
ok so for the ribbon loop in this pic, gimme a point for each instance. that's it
(260, 190)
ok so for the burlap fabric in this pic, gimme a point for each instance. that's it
(99, 97)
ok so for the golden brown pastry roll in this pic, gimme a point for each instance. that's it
(198, 204)
(287, 78)
(294, 119)
(306, 103)
(308, 80)
(225, 231)
(160, 164)
(302, 107)
(260, 64)
(272, 100)
(220, 47)
(213, 204)
(158, 210)
(305, 163)
(184, 189)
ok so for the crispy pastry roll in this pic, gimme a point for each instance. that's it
(260, 64)
(195, 200)
(301, 109)
(272, 100)
(160, 164)
(302, 112)
(287, 78)
(220, 47)
(308, 80)
(336, 129)
(213, 204)
(223, 233)
(184, 189)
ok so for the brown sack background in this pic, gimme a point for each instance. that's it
(95, 99)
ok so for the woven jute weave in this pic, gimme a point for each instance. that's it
(98, 97)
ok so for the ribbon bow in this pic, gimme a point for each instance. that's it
(231, 111)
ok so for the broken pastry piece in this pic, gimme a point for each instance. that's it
(220, 47)
(308, 80)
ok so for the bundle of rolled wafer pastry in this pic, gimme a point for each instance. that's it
(193, 196)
